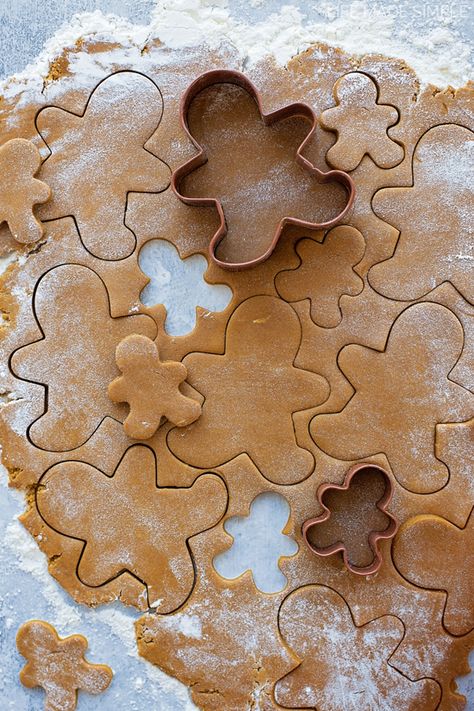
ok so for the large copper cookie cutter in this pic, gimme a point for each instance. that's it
(228, 76)
(374, 536)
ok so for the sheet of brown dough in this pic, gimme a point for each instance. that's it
(366, 320)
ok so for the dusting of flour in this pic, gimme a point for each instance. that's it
(28, 591)
(438, 55)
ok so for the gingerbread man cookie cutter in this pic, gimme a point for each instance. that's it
(229, 76)
(374, 536)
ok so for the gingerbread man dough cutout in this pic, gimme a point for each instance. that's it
(361, 124)
(326, 273)
(433, 553)
(20, 160)
(255, 415)
(151, 388)
(98, 157)
(75, 359)
(435, 217)
(394, 410)
(58, 665)
(130, 523)
(344, 665)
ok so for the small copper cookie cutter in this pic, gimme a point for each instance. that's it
(229, 76)
(374, 536)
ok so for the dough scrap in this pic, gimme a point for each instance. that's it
(151, 388)
(58, 665)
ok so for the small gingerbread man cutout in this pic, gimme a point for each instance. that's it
(20, 190)
(151, 387)
(361, 124)
(58, 665)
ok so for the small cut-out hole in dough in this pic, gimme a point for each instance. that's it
(179, 285)
(258, 543)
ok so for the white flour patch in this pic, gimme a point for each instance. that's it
(189, 625)
(438, 55)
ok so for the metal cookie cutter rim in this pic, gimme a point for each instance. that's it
(229, 76)
(374, 536)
